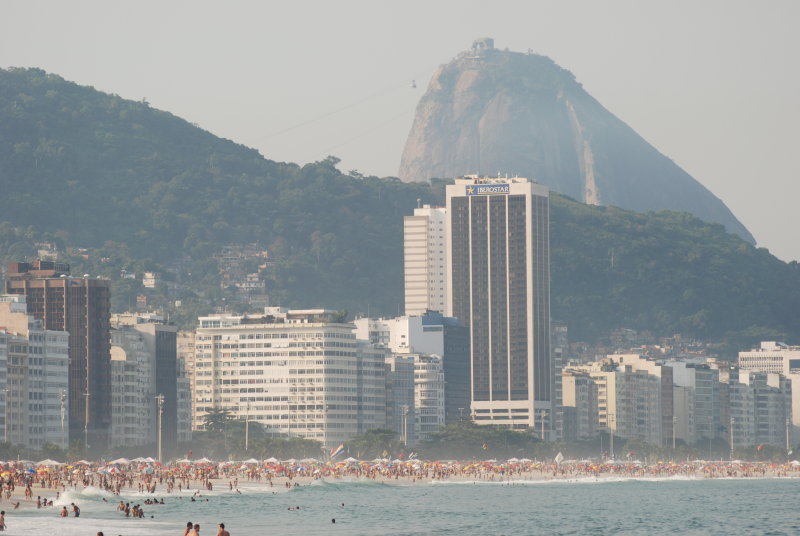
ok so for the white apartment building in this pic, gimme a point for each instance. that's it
(628, 400)
(771, 356)
(400, 399)
(133, 404)
(34, 378)
(402, 335)
(424, 260)
(296, 372)
(428, 395)
(777, 357)
(184, 406)
(145, 365)
(696, 404)
(151, 279)
(658, 369)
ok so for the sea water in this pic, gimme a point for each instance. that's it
(769, 506)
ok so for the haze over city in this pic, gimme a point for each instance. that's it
(391, 267)
(710, 85)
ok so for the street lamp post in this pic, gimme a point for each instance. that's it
(404, 421)
(86, 421)
(247, 428)
(5, 416)
(611, 433)
(788, 445)
(160, 401)
(733, 421)
(674, 425)
(63, 397)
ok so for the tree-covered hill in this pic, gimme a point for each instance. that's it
(147, 188)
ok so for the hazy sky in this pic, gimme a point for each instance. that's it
(714, 85)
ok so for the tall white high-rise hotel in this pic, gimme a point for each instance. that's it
(424, 260)
(498, 255)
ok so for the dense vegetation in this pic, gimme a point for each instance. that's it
(146, 190)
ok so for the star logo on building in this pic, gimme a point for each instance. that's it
(470, 190)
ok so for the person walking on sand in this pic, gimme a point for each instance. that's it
(188, 529)
(2, 520)
(221, 531)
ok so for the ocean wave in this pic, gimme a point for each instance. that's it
(577, 480)
(89, 493)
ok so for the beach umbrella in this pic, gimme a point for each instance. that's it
(83, 462)
(30, 470)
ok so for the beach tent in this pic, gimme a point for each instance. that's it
(204, 460)
(185, 460)
(83, 462)
(350, 460)
(251, 460)
(123, 461)
(271, 460)
(138, 460)
(309, 460)
(49, 463)
(150, 460)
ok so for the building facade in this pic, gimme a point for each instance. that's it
(696, 401)
(429, 395)
(296, 372)
(425, 260)
(34, 377)
(81, 307)
(431, 334)
(498, 239)
(777, 357)
(400, 400)
(579, 406)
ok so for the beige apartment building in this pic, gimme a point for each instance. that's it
(296, 372)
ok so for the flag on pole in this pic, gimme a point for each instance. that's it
(559, 458)
(337, 450)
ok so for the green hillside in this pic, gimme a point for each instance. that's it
(147, 190)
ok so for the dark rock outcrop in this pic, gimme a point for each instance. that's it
(490, 111)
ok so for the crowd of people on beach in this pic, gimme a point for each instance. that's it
(122, 477)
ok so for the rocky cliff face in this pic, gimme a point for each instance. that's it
(490, 111)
